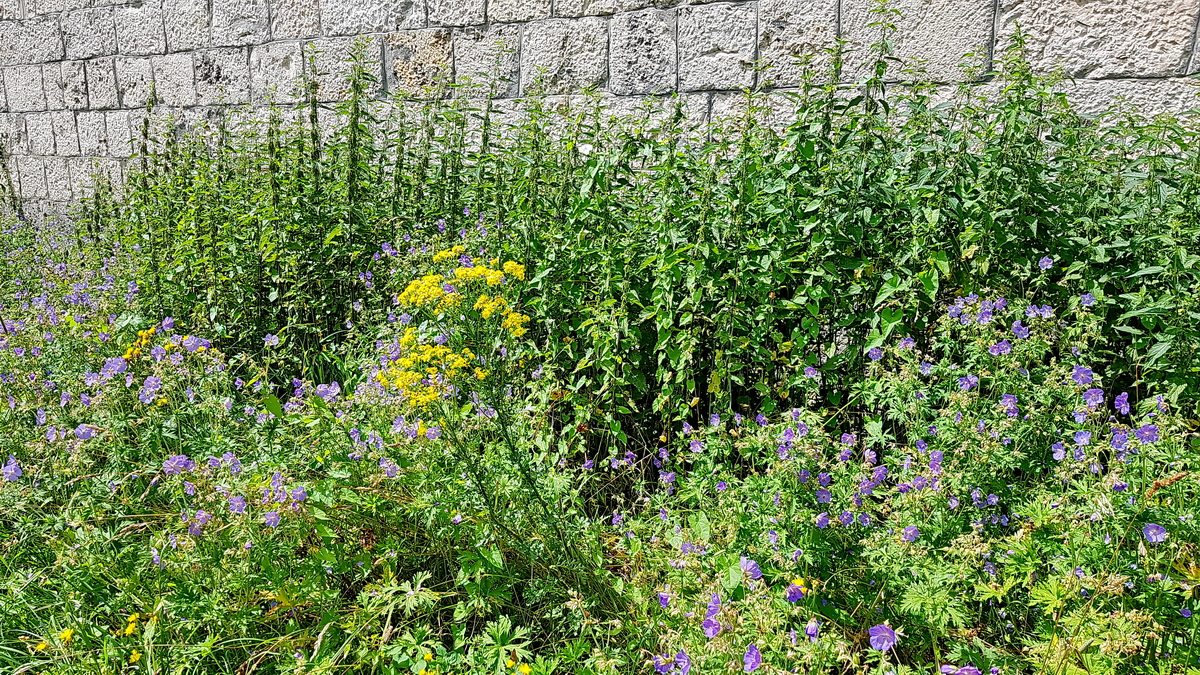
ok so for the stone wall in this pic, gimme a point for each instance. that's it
(75, 75)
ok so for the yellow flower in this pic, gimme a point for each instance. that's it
(428, 656)
(525, 669)
(510, 663)
(135, 656)
(514, 270)
(42, 646)
(66, 635)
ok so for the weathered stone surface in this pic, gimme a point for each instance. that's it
(351, 17)
(560, 56)
(222, 76)
(68, 80)
(10, 10)
(101, 84)
(58, 178)
(140, 30)
(1144, 97)
(508, 11)
(939, 33)
(793, 33)
(39, 134)
(239, 22)
(457, 12)
(186, 23)
(53, 87)
(1116, 38)
(577, 8)
(174, 79)
(417, 62)
(485, 60)
(36, 40)
(133, 81)
(331, 59)
(642, 58)
(12, 133)
(93, 136)
(82, 172)
(23, 86)
(120, 138)
(88, 33)
(295, 19)
(66, 136)
(275, 72)
(716, 47)
(31, 172)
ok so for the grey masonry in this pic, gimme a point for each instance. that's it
(76, 75)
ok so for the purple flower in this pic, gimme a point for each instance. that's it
(1147, 433)
(711, 627)
(926, 367)
(176, 464)
(722, 486)
(270, 340)
(906, 343)
(1001, 347)
(1185, 613)
(1081, 375)
(794, 593)
(664, 599)
(237, 504)
(752, 660)
(968, 382)
(875, 353)
(811, 373)
(1121, 403)
(1019, 330)
(664, 663)
(1083, 438)
(11, 470)
(948, 669)
(910, 534)
(1060, 452)
(1154, 533)
(271, 519)
(823, 520)
(1087, 299)
(1093, 398)
(328, 392)
(684, 663)
(761, 419)
(824, 496)
(750, 567)
(883, 637)
(812, 629)
(85, 431)
(1046, 263)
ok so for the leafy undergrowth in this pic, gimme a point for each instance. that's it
(875, 394)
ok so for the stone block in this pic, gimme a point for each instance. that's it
(23, 86)
(53, 86)
(716, 46)
(940, 37)
(642, 57)
(276, 71)
(37, 40)
(174, 79)
(332, 63)
(508, 11)
(222, 76)
(140, 30)
(417, 62)
(58, 179)
(31, 171)
(133, 81)
(794, 34)
(560, 55)
(292, 19)
(240, 22)
(351, 17)
(12, 134)
(39, 134)
(93, 135)
(101, 84)
(66, 85)
(1146, 97)
(577, 8)
(457, 12)
(66, 136)
(10, 10)
(486, 59)
(1115, 38)
(120, 135)
(88, 33)
(186, 23)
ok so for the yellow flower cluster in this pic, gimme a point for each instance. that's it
(512, 269)
(491, 276)
(515, 323)
(135, 349)
(449, 253)
(420, 363)
(489, 305)
(428, 290)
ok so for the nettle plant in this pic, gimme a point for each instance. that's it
(1001, 490)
